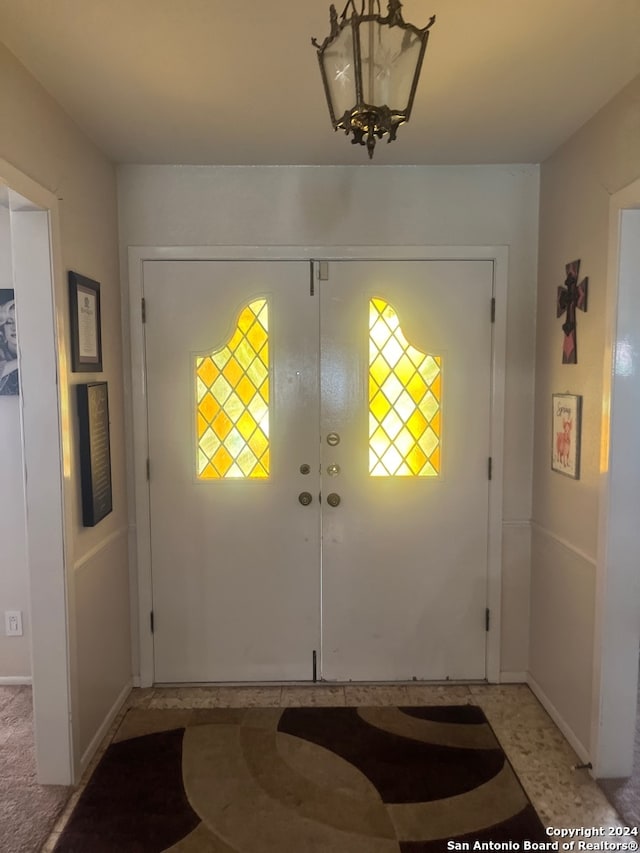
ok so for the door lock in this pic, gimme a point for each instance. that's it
(305, 498)
(332, 439)
(333, 470)
(333, 499)
(304, 469)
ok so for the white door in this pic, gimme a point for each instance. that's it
(232, 412)
(405, 366)
(379, 389)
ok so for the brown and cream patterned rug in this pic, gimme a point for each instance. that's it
(269, 780)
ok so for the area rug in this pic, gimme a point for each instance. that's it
(28, 811)
(306, 780)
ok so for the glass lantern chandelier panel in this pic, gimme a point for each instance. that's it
(370, 66)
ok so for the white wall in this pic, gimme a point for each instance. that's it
(15, 660)
(371, 205)
(576, 184)
(38, 139)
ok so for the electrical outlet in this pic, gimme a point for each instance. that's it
(13, 623)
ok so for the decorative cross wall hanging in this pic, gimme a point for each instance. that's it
(571, 296)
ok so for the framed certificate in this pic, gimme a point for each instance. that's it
(86, 333)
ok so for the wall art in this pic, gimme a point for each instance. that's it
(95, 452)
(571, 296)
(9, 375)
(565, 434)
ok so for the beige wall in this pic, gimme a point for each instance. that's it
(576, 184)
(39, 139)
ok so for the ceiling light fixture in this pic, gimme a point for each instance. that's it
(370, 67)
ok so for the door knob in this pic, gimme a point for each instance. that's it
(305, 498)
(305, 469)
(333, 499)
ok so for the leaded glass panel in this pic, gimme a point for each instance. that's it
(404, 400)
(232, 397)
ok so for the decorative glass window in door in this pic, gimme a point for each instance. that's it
(404, 400)
(232, 394)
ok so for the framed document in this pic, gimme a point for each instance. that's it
(86, 333)
(95, 452)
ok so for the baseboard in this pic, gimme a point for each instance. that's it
(135, 681)
(100, 735)
(513, 678)
(6, 680)
(557, 718)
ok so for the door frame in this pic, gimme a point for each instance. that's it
(39, 281)
(140, 525)
(617, 608)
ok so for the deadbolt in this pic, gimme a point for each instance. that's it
(333, 499)
(333, 470)
(304, 469)
(333, 438)
(305, 498)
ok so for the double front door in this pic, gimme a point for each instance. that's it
(318, 469)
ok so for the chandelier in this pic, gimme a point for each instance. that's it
(370, 65)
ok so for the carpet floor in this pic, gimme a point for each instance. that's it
(28, 811)
(309, 780)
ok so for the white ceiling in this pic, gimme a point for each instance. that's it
(237, 82)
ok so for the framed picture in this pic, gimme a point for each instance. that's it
(9, 379)
(565, 434)
(86, 333)
(95, 452)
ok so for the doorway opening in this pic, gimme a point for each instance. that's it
(15, 630)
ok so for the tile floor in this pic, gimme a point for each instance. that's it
(563, 796)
